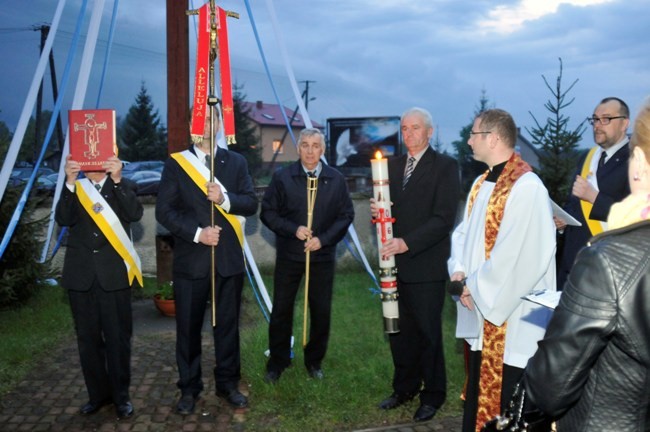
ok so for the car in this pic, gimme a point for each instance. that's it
(146, 181)
(128, 170)
(45, 186)
(24, 173)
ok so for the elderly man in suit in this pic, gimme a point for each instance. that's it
(425, 189)
(600, 181)
(98, 270)
(185, 197)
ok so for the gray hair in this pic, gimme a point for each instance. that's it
(308, 132)
(422, 113)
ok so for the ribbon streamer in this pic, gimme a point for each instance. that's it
(226, 83)
(201, 75)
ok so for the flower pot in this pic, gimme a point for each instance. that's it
(166, 307)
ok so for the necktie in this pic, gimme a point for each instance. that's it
(98, 186)
(208, 159)
(409, 171)
(311, 173)
(601, 161)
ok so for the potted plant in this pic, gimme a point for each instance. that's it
(164, 299)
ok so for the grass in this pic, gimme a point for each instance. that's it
(358, 366)
(28, 333)
(358, 369)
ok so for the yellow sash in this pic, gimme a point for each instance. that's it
(109, 224)
(594, 226)
(193, 168)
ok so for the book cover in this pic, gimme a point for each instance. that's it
(92, 137)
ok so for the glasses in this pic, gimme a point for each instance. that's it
(479, 133)
(603, 120)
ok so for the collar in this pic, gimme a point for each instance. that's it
(316, 170)
(495, 172)
(417, 156)
(613, 149)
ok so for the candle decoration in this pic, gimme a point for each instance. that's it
(384, 226)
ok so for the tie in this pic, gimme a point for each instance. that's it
(311, 173)
(208, 159)
(409, 171)
(98, 186)
(601, 161)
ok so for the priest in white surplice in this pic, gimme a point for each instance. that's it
(503, 249)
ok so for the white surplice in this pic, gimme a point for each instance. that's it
(522, 260)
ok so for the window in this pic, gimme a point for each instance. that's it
(277, 147)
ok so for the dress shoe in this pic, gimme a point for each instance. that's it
(395, 400)
(233, 397)
(272, 377)
(315, 372)
(92, 407)
(124, 410)
(185, 405)
(424, 413)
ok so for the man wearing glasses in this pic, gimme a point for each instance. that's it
(600, 181)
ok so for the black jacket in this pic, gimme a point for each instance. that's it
(284, 209)
(592, 367)
(88, 254)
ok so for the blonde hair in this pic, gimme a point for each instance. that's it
(641, 134)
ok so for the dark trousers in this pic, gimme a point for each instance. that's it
(417, 349)
(511, 376)
(288, 275)
(191, 297)
(104, 324)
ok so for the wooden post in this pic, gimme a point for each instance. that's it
(178, 82)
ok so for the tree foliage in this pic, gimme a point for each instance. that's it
(469, 167)
(21, 273)
(5, 140)
(558, 144)
(248, 143)
(141, 136)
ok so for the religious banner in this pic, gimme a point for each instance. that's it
(226, 84)
(201, 75)
(92, 137)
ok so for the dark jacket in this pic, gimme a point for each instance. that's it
(88, 252)
(592, 367)
(614, 186)
(284, 209)
(182, 207)
(425, 213)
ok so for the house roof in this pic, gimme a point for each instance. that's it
(271, 115)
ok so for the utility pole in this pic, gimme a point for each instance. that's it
(305, 94)
(45, 30)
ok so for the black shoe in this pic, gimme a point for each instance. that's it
(124, 410)
(185, 405)
(395, 400)
(315, 372)
(92, 407)
(233, 397)
(424, 413)
(272, 377)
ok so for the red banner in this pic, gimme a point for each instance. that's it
(226, 84)
(201, 75)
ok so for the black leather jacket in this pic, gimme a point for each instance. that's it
(592, 367)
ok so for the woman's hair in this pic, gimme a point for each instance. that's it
(641, 134)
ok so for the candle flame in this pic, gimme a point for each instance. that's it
(378, 155)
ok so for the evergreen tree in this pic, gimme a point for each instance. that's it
(469, 168)
(5, 140)
(557, 143)
(248, 143)
(141, 136)
(30, 151)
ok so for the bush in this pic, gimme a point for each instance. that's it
(21, 273)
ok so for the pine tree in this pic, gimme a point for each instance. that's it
(557, 143)
(469, 168)
(141, 136)
(248, 143)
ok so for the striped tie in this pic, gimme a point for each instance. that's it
(409, 171)
(98, 186)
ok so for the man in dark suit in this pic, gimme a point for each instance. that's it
(185, 197)
(98, 273)
(284, 211)
(600, 181)
(424, 189)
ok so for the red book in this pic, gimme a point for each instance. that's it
(92, 137)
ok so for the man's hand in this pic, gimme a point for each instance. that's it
(560, 224)
(313, 244)
(374, 209)
(303, 233)
(209, 236)
(466, 299)
(392, 247)
(584, 190)
(113, 166)
(72, 169)
(215, 194)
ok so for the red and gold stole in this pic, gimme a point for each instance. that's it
(494, 337)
